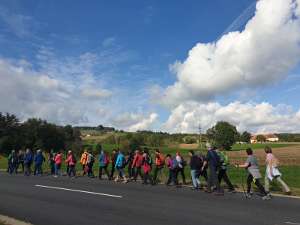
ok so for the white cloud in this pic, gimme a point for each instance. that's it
(263, 53)
(134, 122)
(262, 118)
(95, 94)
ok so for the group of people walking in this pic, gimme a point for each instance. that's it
(212, 167)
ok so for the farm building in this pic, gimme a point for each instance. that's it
(268, 138)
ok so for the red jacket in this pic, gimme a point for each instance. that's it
(137, 160)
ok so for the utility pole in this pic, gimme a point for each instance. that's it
(200, 136)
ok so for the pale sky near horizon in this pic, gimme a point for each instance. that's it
(152, 65)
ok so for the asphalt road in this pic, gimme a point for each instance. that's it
(133, 204)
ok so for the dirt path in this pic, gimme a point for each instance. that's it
(286, 155)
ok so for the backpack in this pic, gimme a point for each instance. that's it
(106, 160)
(174, 164)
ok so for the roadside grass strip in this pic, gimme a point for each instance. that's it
(79, 191)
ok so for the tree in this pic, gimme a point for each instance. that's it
(261, 138)
(245, 137)
(222, 134)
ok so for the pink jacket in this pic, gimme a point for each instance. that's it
(58, 158)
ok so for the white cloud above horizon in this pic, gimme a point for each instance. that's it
(253, 117)
(260, 55)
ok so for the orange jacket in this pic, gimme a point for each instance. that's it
(83, 159)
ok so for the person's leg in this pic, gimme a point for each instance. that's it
(193, 175)
(182, 175)
(220, 175)
(216, 181)
(227, 181)
(267, 183)
(155, 174)
(284, 185)
(170, 177)
(249, 181)
(100, 172)
(22, 164)
(145, 180)
(106, 172)
(260, 187)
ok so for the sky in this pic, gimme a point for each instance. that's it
(152, 65)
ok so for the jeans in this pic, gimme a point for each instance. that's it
(57, 169)
(38, 169)
(27, 169)
(121, 172)
(223, 175)
(72, 171)
(213, 179)
(283, 184)
(172, 177)
(195, 178)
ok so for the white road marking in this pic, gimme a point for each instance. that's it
(292, 223)
(80, 191)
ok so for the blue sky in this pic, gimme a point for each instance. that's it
(123, 50)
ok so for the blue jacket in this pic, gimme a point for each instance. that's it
(102, 159)
(120, 160)
(28, 158)
(39, 158)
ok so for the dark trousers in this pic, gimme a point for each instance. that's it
(130, 171)
(203, 173)
(112, 171)
(27, 169)
(71, 171)
(181, 172)
(101, 168)
(147, 177)
(223, 175)
(90, 169)
(257, 183)
(172, 177)
(157, 170)
(38, 169)
(12, 167)
(213, 179)
(52, 168)
(138, 172)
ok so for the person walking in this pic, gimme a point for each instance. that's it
(103, 164)
(159, 165)
(147, 166)
(222, 175)
(137, 164)
(172, 166)
(21, 157)
(254, 175)
(38, 163)
(273, 173)
(27, 162)
(195, 165)
(71, 163)
(12, 162)
(120, 165)
(90, 165)
(213, 161)
(113, 157)
(130, 165)
(83, 162)
(180, 169)
(58, 160)
(51, 162)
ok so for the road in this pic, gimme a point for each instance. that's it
(63, 201)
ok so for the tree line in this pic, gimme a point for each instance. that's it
(36, 134)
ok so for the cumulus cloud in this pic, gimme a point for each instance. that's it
(30, 93)
(263, 53)
(261, 118)
(134, 122)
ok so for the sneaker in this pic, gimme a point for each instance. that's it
(266, 197)
(248, 195)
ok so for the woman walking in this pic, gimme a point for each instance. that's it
(272, 172)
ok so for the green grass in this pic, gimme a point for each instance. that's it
(255, 146)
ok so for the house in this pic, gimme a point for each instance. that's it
(268, 138)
